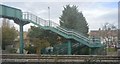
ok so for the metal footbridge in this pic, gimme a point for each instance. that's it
(22, 18)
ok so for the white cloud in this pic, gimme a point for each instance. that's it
(59, 1)
(96, 18)
(41, 11)
(95, 13)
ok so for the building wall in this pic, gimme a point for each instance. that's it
(109, 38)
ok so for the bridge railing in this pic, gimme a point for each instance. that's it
(34, 18)
(42, 22)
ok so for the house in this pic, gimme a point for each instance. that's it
(108, 37)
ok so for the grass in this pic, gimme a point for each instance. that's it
(111, 49)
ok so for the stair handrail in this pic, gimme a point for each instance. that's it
(69, 32)
(74, 33)
(42, 22)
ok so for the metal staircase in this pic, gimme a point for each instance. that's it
(22, 19)
(49, 25)
(60, 49)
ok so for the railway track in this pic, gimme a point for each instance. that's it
(58, 58)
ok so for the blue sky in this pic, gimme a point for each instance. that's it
(96, 13)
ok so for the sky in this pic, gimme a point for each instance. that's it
(96, 13)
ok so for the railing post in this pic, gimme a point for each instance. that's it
(27, 15)
(69, 47)
(36, 20)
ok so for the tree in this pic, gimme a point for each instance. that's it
(41, 38)
(8, 34)
(72, 19)
(39, 44)
(109, 34)
(37, 32)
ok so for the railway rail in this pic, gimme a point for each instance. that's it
(58, 58)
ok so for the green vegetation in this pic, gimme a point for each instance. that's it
(111, 49)
(41, 38)
(37, 32)
(30, 49)
(8, 35)
(72, 19)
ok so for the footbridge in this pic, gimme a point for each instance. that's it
(23, 18)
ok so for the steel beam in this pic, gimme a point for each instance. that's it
(69, 47)
(21, 38)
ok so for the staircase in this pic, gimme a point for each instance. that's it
(49, 25)
(22, 19)
(60, 49)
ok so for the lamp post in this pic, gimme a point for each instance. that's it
(49, 15)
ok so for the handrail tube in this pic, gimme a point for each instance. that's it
(40, 21)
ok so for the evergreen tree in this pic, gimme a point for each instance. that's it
(72, 19)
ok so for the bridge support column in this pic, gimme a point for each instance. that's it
(21, 38)
(69, 47)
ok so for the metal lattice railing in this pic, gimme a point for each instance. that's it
(42, 22)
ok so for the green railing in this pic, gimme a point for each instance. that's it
(50, 24)
(24, 18)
